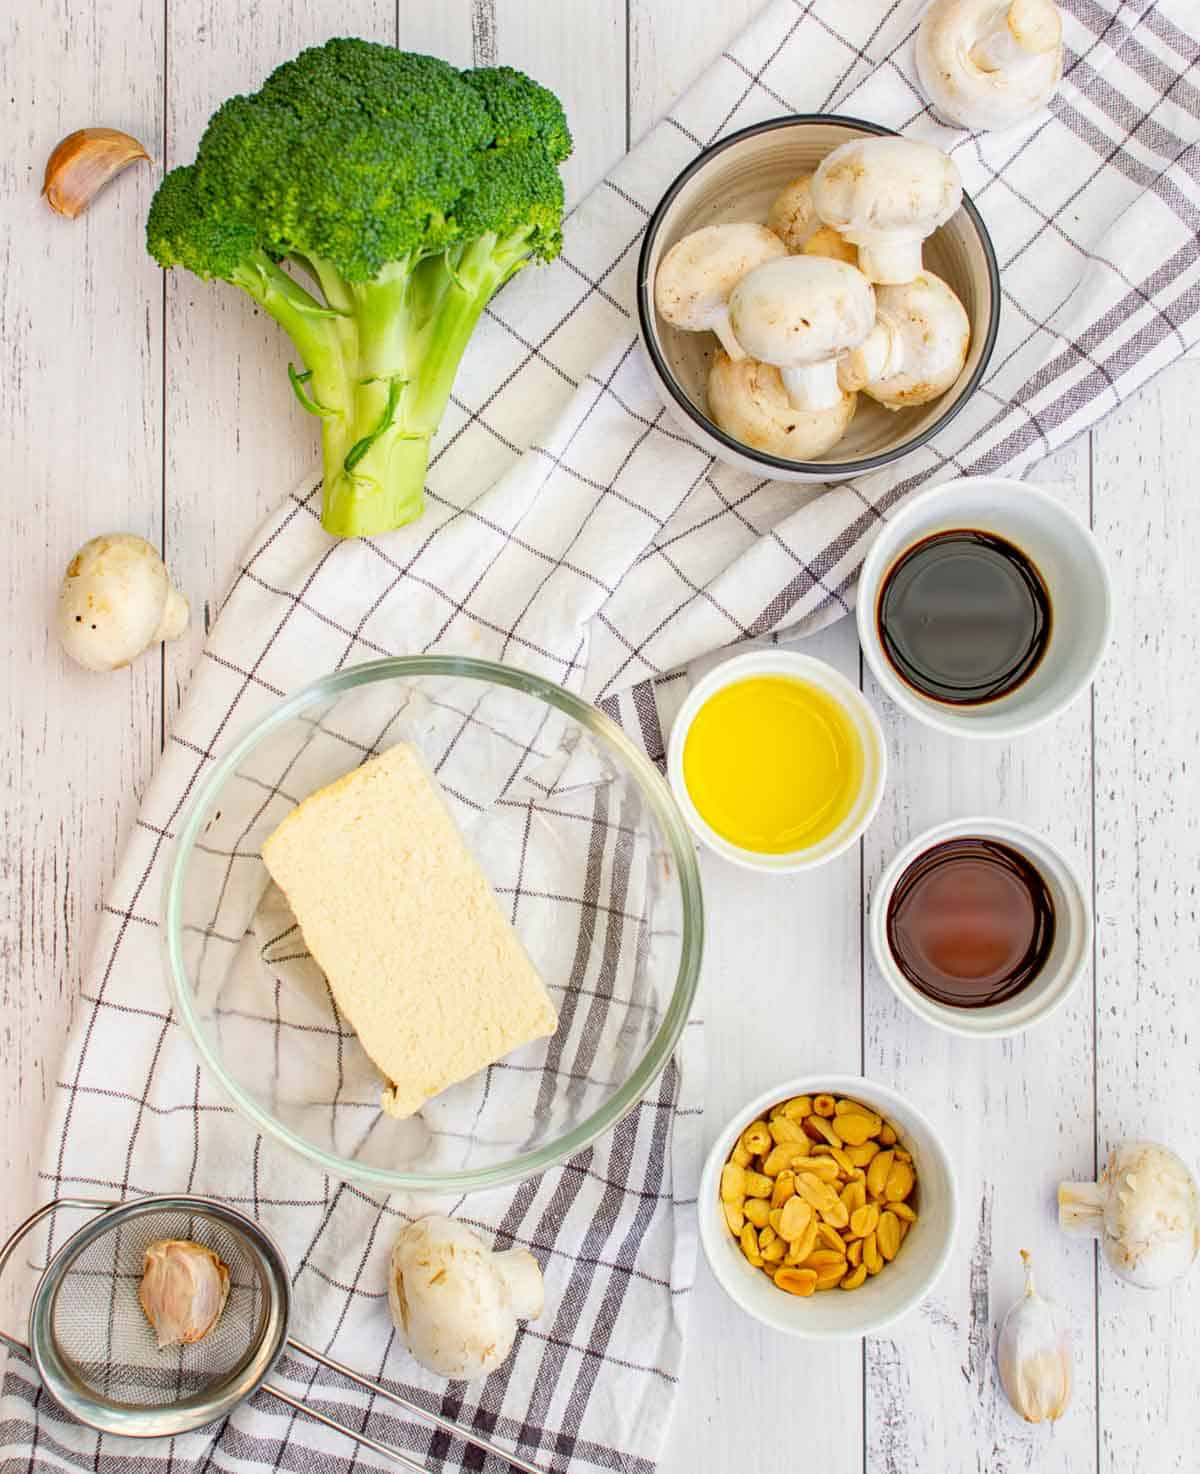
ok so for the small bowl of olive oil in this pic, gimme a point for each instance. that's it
(984, 607)
(778, 761)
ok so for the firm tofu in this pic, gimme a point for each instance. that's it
(393, 907)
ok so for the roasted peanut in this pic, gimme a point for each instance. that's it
(903, 1212)
(749, 1242)
(899, 1183)
(902, 1155)
(778, 1158)
(818, 1128)
(877, 1173)
(797, 1108)
(824, 1105)
(887, 1134)
(773, 1252)
(795, 1217)
(827, 1279)
(804, 1245)
(864, 1221)
(740, 1157)
(757, 1139)
(825, 1169)
(785, 1186)
(756, 1211)
(775, 1218)
(854, 1195)
(845, 1165)
(855, 1129)
(733, 1183)
(734, 1217)
(854, 1278)
(796, 1281)
(766, 1236)
(887, 1236)
(861, 1155)
(854, 1252)
(758, 1185)
(871, 1256)
(831, 1238)
(782, 1129)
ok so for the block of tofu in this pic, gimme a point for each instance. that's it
(397, 913)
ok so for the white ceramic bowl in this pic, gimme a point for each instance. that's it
(1071, 564)
(737, 179)
(798, 667)
(1062, 969)
(901, 1285)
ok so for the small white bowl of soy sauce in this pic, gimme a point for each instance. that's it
(984, 607)
(981, 926)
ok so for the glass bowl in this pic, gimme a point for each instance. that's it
(586, 852)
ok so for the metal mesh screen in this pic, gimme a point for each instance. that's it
(103, 1335)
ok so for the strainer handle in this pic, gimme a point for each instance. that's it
(385, 1449)
(100, 1205)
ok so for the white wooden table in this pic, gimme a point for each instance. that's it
(127, 402)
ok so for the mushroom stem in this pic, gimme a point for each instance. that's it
(1018, 36)
(526, 1290)
(813, 386)
(880, 354)
(724, 331)
(174, 618)
(890, 262)
(1081, 1208)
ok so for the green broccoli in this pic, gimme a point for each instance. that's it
(405, 193)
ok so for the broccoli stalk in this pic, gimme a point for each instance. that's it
(443, 185)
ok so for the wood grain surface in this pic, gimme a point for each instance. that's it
(163, 407)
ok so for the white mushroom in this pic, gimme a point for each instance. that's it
(989, 63)
(747, 399)
(792, 216)
(886, 195)
(695, 277)
(116, 600)
(457, 1302)
(917, 347)
(800, 313)
(1145, 1211)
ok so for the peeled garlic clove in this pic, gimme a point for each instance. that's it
(1034, 1355)
(83, 163)
(183, 1291)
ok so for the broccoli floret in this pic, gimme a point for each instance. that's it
(405, 193)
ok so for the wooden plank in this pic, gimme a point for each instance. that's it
(1013, 1113)
(670, 45)
(80, 419)
(1147, 861)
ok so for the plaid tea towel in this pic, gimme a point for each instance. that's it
(574, 530)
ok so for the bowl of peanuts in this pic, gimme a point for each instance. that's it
(828, 1183)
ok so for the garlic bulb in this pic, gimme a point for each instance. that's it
(1145, 1211)
(1034, 1355)
(183, 1291)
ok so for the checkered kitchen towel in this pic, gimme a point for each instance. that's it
(574, 530)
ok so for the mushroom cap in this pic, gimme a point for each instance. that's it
(695, 277)
(934, 331)
(1152, 1214)
(748, 401)
(874, 187)
(801, 310)
(792, 216)
(115, 600)
(452, 1297)
(978, 97)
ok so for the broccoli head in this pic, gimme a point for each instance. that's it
(372, 201)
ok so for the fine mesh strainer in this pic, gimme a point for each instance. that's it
(97, 1355)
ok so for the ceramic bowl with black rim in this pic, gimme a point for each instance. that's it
(736, 180)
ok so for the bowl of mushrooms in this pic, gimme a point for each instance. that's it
(817, 297)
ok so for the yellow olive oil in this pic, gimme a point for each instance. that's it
(773, 764)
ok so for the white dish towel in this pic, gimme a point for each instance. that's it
(574, 530)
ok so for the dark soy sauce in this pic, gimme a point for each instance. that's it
(964, 617)
(970, 922)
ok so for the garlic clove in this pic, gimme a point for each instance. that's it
(1033, 1355)
(183, 1291)
(83, 163)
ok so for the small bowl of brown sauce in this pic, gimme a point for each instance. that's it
(981, 926)
(984, 607)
